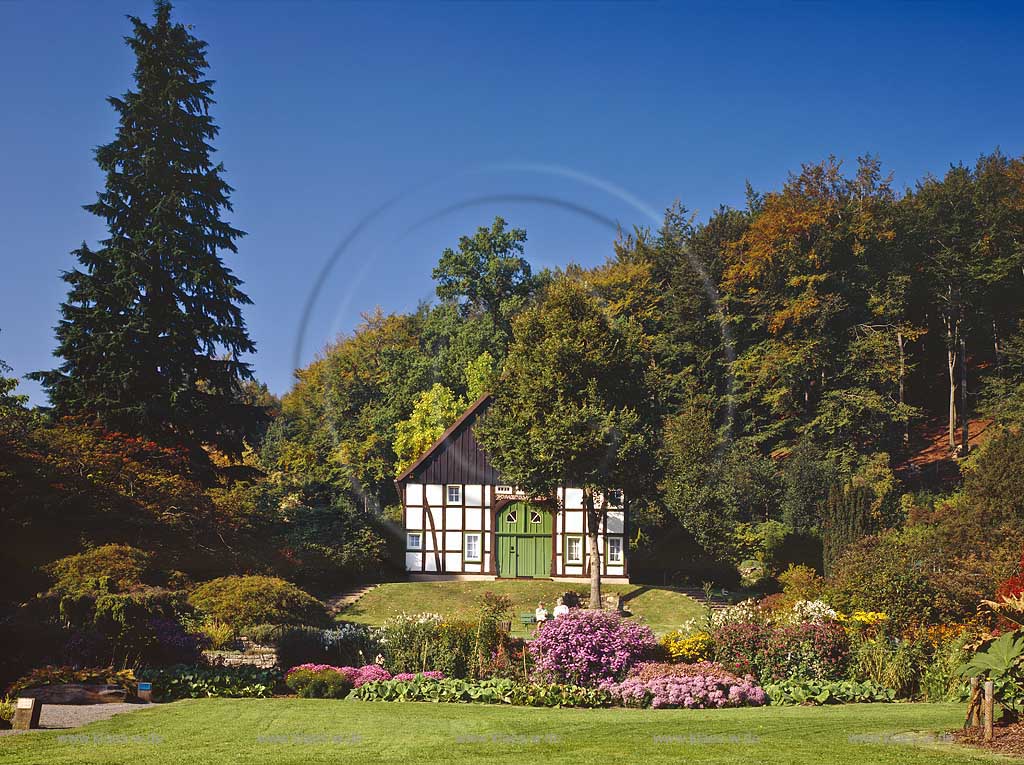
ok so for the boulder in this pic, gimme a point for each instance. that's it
(77, 693)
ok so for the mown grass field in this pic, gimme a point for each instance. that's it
(216, 731)
(661, 608)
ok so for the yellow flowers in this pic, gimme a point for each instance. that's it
(864, 618)
(687, 648)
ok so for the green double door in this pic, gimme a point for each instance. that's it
(524, 541)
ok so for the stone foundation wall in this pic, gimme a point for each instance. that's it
(256, 656)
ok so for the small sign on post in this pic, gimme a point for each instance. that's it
(146, 691)
(26, 714)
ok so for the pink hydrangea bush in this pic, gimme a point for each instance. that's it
(587, 647)
(650, 670)
(696, 686)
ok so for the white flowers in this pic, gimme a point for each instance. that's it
(812, 611)
(741, 613)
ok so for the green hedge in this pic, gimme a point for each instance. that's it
(497, 691)
(196, 682)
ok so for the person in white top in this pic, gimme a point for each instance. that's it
(560, 608)
(541, 614)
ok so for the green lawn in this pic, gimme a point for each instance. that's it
(218, 731)
(660, 607)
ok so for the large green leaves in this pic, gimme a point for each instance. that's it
(999, 659)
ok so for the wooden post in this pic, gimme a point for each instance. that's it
(26, 714)
(988, 709)
(974, 710)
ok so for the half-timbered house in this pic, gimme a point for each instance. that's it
(463, 521)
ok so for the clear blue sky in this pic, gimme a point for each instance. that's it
(560, 117)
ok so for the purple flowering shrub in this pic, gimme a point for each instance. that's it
(659, 686)
(587, 647)
(154, 642)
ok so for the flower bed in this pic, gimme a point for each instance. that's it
(51, 675)
(328, 681)
(496, 691)
(705, 685)
(193, 682)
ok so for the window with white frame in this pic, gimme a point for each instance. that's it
(471, 548)
(454, 495)
(535, 517)
(414, 541)
(614, 550)
(512, 517)
(574, 549)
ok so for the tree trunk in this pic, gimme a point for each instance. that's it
(995, 344)
(951, 363)
(965, 435)
(593, 526)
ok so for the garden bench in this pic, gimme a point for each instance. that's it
(527, 619)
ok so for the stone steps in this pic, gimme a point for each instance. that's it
(338, 603)
(717, 602)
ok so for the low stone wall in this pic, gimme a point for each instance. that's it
(256, 656)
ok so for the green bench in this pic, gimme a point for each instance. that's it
(527, 619)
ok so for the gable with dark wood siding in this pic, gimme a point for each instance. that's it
(456, 457)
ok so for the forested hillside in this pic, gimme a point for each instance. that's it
(798, 350)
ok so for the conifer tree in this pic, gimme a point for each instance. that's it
(846, 518)
(151, 333)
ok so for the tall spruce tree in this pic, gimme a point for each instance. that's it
(151, 333)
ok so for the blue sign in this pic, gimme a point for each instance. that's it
(145, 686)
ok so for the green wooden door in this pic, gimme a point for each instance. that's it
(524, 541)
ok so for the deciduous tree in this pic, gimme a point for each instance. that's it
(573, 405)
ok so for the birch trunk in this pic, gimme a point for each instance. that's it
(593, 526)
(965, 436)
(951, 363)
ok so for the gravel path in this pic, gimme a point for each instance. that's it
(75, 715)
